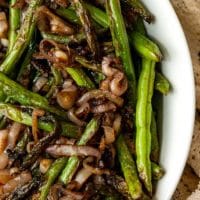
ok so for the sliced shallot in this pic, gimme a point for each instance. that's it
(19, 180)
(72, 117)
(82, 176)
(13, 134)
(94, 170)
(96, 94)
(72, 150)
(105, 107)
(3, 140)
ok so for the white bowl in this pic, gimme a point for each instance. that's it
(179, 105)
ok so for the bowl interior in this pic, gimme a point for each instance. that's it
(179, 106)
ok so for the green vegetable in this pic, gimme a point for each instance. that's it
(51, 176)
(23, 76)
(121, 44)
(18, 115)
(14, 24)
(162, 84)
(143, 121)
(25, 97)
(154, 140)
(80, 77)
(68, 14)
(39, 147)
(73, 162)
(145, 47)
(77, 38)
(157, 171)
(57, 80)
(87, 64)
(23, 38)
(91, 38)
(139, 8)
(128, 168)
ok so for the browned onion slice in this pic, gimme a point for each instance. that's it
(14, 134)
(72, 150)
(49, 22)
(94, 170)
(97, 94)
(72, 117)
(82, 176)
(106, 107)
(3, 140)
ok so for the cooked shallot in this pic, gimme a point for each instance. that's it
(72, 117)
(3, 140)
(96, 94)
(3, 25)
(49, 22)
(72, 150)
(94, 170)
(13, 134)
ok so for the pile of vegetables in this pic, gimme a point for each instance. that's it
(80, 86)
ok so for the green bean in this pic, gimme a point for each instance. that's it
(25, 97)
(121, 44)
(145, 47)
(91, 38)
(77, 38)
(162, 84)
(139, 26)
(23, 76)
(98, 15)
(20, 115)
(139, 8)
(57, 80)
(143, 121)
(2, 122)
(14, 23)
(73, 162)
(68, 14)
(88, 64)
(24, 36)
(154, 140)
(157, 171)
(128, 168)
(80, 78)
(40, 146)
(51, 176)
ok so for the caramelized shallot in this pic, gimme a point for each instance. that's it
(97, 94)
(3, 140)
(72, 150)
(106, 107)
(3, 160)
(14, 134)
(94, 170)
(36, 113)
(5, 176)
(3, 25)
(82, 176)
(72, 117)
(44, 165)
(19, 180)
(49, 22)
